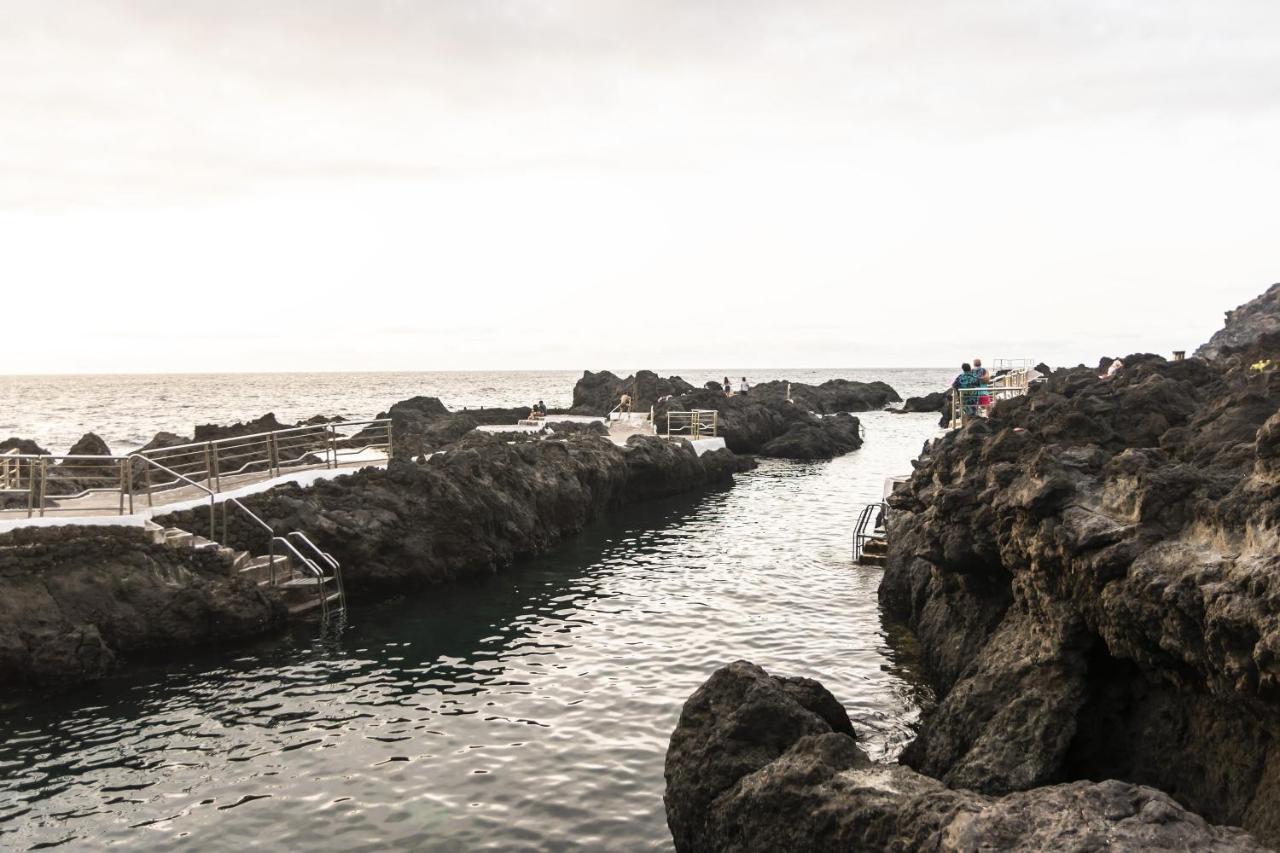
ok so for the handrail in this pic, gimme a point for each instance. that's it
(328, 558)
(184, 478)
(860, 535)
(315, 570)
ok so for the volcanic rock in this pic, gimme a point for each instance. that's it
(599, 393)
(89, 444)
(480, 505)
(764, 763)
(1246, 324)
(1091, 574)
(751, 424)
(22, 445)
(831, 397)
(79, 600)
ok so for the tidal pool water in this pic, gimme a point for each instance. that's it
(529, 710)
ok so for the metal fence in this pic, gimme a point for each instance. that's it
(112, 484)
(699, 423)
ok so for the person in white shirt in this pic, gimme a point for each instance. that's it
(744, 387)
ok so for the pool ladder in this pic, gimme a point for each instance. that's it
(870, 547)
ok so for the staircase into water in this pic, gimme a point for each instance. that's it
(88, 489)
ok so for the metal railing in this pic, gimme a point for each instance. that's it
(970, 403)
(93, 485)
(235, 459)
(868, 522)
(695, 424)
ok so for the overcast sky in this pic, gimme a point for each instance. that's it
(312, 185)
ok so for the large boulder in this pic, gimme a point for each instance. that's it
(1246, 324)
(89, 444)
(752, 424)
(764, 763)
(831, 397)
(24, 446)
(1091, 576)
(599, 393)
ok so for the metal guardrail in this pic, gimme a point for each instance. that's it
(64, 483)
(866, 520)
(970, 403)
(695, 424)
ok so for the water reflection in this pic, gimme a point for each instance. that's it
(530, 709)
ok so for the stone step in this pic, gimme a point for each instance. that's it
(305, 582)
(200, 542)
(311, 602)
(153, 530)
(175, 538)
(871, 560)
(259, 568)
(875, 546)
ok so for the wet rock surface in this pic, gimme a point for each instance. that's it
(759, 762)
(79, 601)
(475, 508)
(1092, 574)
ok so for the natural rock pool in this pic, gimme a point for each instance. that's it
(528, 711)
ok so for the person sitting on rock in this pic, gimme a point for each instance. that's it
(624, 403)
(541, 409)
(1115, 367)
(965, 383)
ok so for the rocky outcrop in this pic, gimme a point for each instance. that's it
(767, 763)
(1246, 324)
(22, 445)
(1092, 576)
(475, 508)
(89, 444)
(752, 424)
(831, 397)
(936, 401)
(598, 393)
(79, 600)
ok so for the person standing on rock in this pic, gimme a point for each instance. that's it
(984, 379)
(744, 387)
(728, 387)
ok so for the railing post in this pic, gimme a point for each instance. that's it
(331, 451)
(31, 487)
(44, 483)
(273, 454)
(123, 468)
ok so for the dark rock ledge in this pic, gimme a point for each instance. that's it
(762, 763)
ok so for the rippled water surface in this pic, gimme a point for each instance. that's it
(529, 710)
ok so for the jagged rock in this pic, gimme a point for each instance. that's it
(563, 428)
(598, 393)
(1246, 324)
(89, 444)
(22, 445)
(752, 424)
(479, 506)
(79, 600)
(1091, 575)
(759, 762)
(831, 397)
(214, 432)
(936, 401)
